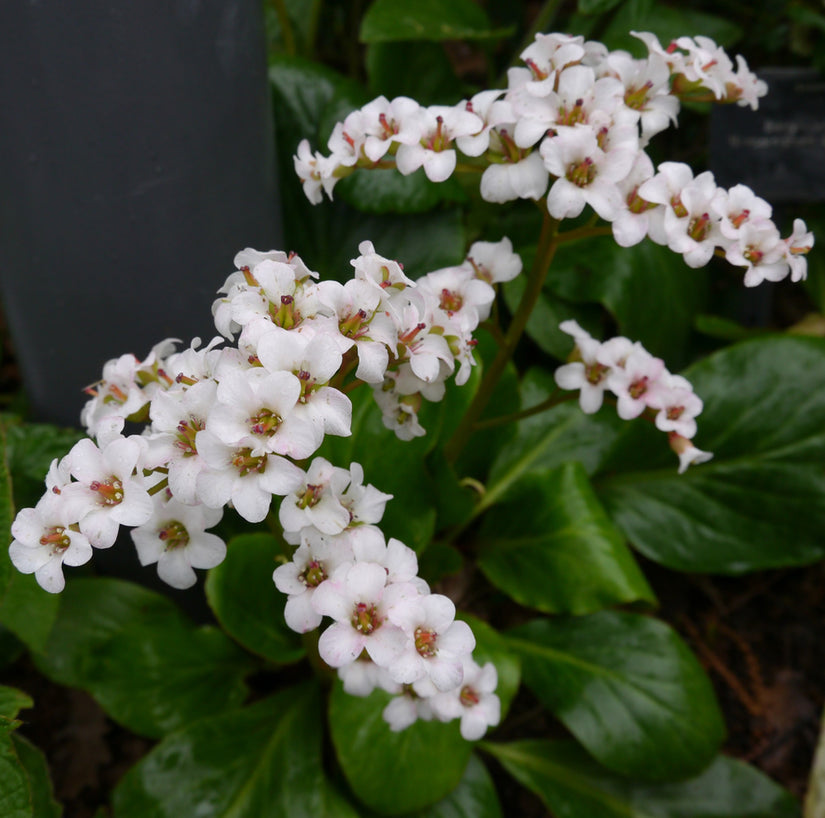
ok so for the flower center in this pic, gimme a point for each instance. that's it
(313, 575)
(174, 535)
(469, 697)
(110, 491)
(57, 538)
(365, 618)
(595, 372)
(582, 174)
(265, 423)
(426, 642)
(311, 496)
(450, 302)
(245, 463)
(638, 388)
(186, 431)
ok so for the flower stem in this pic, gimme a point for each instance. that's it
(535, 281)
(503, 420)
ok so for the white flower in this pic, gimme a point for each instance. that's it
(474, 702)
(358, 598)
(46, 537)
(176, 539)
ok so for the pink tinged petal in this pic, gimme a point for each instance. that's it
(373, 359)
(400, 713)
(206, 550)
(457, 640)
(409, 158)
(440, 613)
(368, 544)
(385, 644)
(50, 576)
(86, 460)
(329, 599)
(299, 614)
(365, 582)
(408, 667)
(174, 569)
(473, 725)
(401, 561)
(340, 644)
(446, 674)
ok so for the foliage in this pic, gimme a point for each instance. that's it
(538, 508)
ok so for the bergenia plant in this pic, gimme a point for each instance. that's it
(254, 425)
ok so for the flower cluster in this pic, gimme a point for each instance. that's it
(387, 629)
(233, 425)
(640, 383)
(573, 125)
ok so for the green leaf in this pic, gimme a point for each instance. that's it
(248, 605)
(574, 786)
(263, 760)
(15, 795)
(627, 687)
(492, 646)
(564, 555)
(12, 701)
(391, 20)
(548, 439)
(760, 503)
(394, 773)
(597, 6)
(650, 291)
(149, 667)
(428, 76)
(474, 797)
(36, 769)
(26, 609)
(387, 191)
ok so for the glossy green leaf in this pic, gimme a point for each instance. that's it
(649, 290)
(248, 605)
(551, 546)
(667, 23)
(36, 769)
(148, 666)
(492, 646)
(760, 502)
(474, 797)
(263, 760)
(26, 609)
(627, 687)
(548, 439)
(394, 773)
(390, 20)
(574, 786)
(427, 76)
(387, 191)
